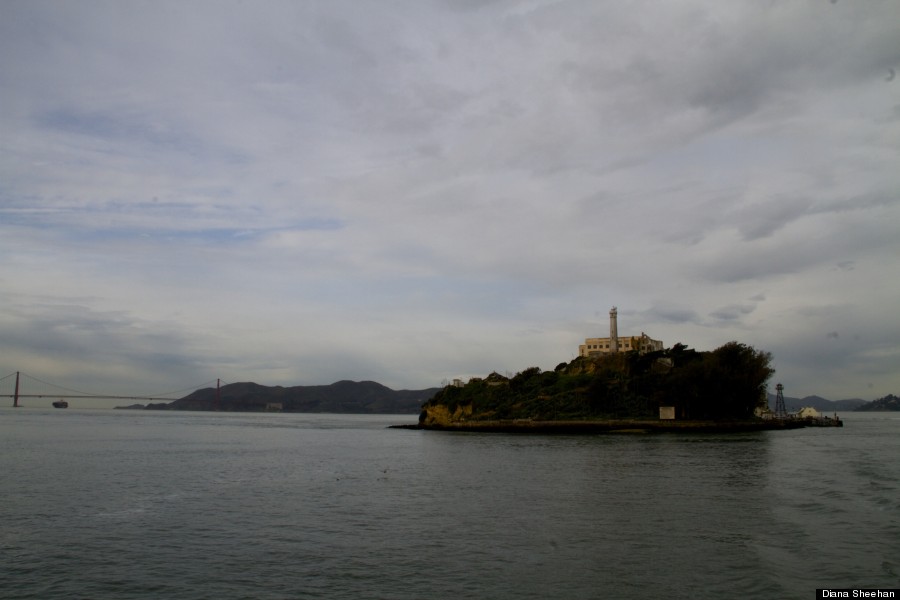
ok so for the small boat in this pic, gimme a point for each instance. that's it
(60, 404)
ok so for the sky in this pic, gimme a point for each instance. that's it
(296, 193)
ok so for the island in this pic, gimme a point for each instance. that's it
(885, 404)
(675, 389)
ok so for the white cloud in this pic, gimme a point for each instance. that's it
(298, 193)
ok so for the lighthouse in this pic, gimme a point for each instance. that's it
(613, 330)
(613, 344)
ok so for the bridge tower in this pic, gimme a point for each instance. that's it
(780, 410)
(16, 397)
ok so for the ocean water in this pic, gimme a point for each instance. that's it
(131, 504)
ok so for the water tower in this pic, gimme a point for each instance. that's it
(780, 410)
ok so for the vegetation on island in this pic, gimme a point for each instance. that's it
(887, 403)
(728, 383)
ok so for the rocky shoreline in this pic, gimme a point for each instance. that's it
(609, 426)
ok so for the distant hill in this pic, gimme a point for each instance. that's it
(820, 404)
(362, 397)
(888, 403)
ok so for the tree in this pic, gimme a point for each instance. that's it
(737, 376)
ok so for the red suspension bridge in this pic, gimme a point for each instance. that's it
(61, 392)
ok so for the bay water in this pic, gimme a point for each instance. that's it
(146, 504)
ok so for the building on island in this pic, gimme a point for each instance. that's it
(614, 343)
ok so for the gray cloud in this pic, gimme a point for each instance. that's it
(296, 192)
(732, 312)
(671, 314)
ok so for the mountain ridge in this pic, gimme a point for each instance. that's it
(819, 403)
(344, 396)
(887, 403)
(371, 397)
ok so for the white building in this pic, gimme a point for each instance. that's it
(615, 343)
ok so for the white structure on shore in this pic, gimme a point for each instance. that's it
(609, 345)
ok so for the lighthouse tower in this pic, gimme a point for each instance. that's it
(613, 331)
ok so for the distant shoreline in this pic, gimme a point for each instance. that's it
(610, 426)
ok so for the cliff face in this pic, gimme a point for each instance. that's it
(440, 416)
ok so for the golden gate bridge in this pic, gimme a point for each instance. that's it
(63, 392)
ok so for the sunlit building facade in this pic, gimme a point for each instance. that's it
(614, 343)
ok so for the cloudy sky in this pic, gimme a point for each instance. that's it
(295, 193)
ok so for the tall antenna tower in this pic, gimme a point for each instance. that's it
(780, 410)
